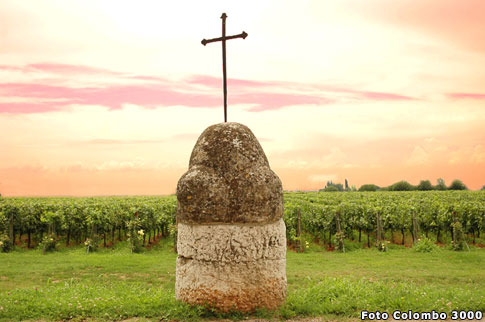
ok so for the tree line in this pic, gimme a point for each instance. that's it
(424, 185)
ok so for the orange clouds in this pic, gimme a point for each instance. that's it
(101, 101)
(79, 181)
(460, 22)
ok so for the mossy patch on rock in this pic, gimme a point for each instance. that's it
(229, 180)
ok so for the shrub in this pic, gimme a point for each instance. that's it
(382, 246)
(92, 244)
(425, 185)
(440, 184)
(458, 242)
(457, 185)
(424, 245)
(368, 187)
(300, 243)
(401, 186)
(135, 235)
(48, 243)
(339, 242)
(5, 244)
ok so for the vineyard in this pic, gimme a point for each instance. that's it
(92, 221)
(453, 217)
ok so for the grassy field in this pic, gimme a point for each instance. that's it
(114, 284)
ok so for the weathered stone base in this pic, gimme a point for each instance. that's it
(232, 243)
(242, 286)
(232, 267)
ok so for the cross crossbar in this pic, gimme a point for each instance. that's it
(223, 39)
(242, 35)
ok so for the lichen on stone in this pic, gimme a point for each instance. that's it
(229, 178)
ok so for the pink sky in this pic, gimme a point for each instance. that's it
(108, 98)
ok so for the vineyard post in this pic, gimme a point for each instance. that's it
(338, 222)
(94, 231)
(453, 235)
(113, 235)
(379, 230)
(10, 228)
(415, 228)
(68, 235)
(458, 237)
(175, 236)
(382, 229)
(340, 241)
(298, 233)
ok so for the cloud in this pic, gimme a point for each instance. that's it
(461, 23)
(467, 96)
(216, 82)
(13, 68)
(313, 158)
(111, 141)
(66, 69)
(245, 85)
(275, 101)
(377, 96)
(111, 96)
(322, 177)
(29, 107)
(432, 144)
(478, 154)
(147, 78)
(138, 163)
(418, 156)
(59, 69)
(39, 96)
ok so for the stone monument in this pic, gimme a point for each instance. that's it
(231, 236)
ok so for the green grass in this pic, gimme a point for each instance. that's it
(115, 284)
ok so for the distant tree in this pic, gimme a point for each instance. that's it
(368, 187)
(440, 184)
(347, 185)
(425, 185)
(354, 188)
(457, 185)
(483, 188)
(339, 186)
(401, 186)
(331, 189)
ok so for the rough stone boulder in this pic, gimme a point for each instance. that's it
(231, 235)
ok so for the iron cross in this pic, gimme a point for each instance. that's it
(204, 42)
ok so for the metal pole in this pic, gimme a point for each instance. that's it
(223, 17)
